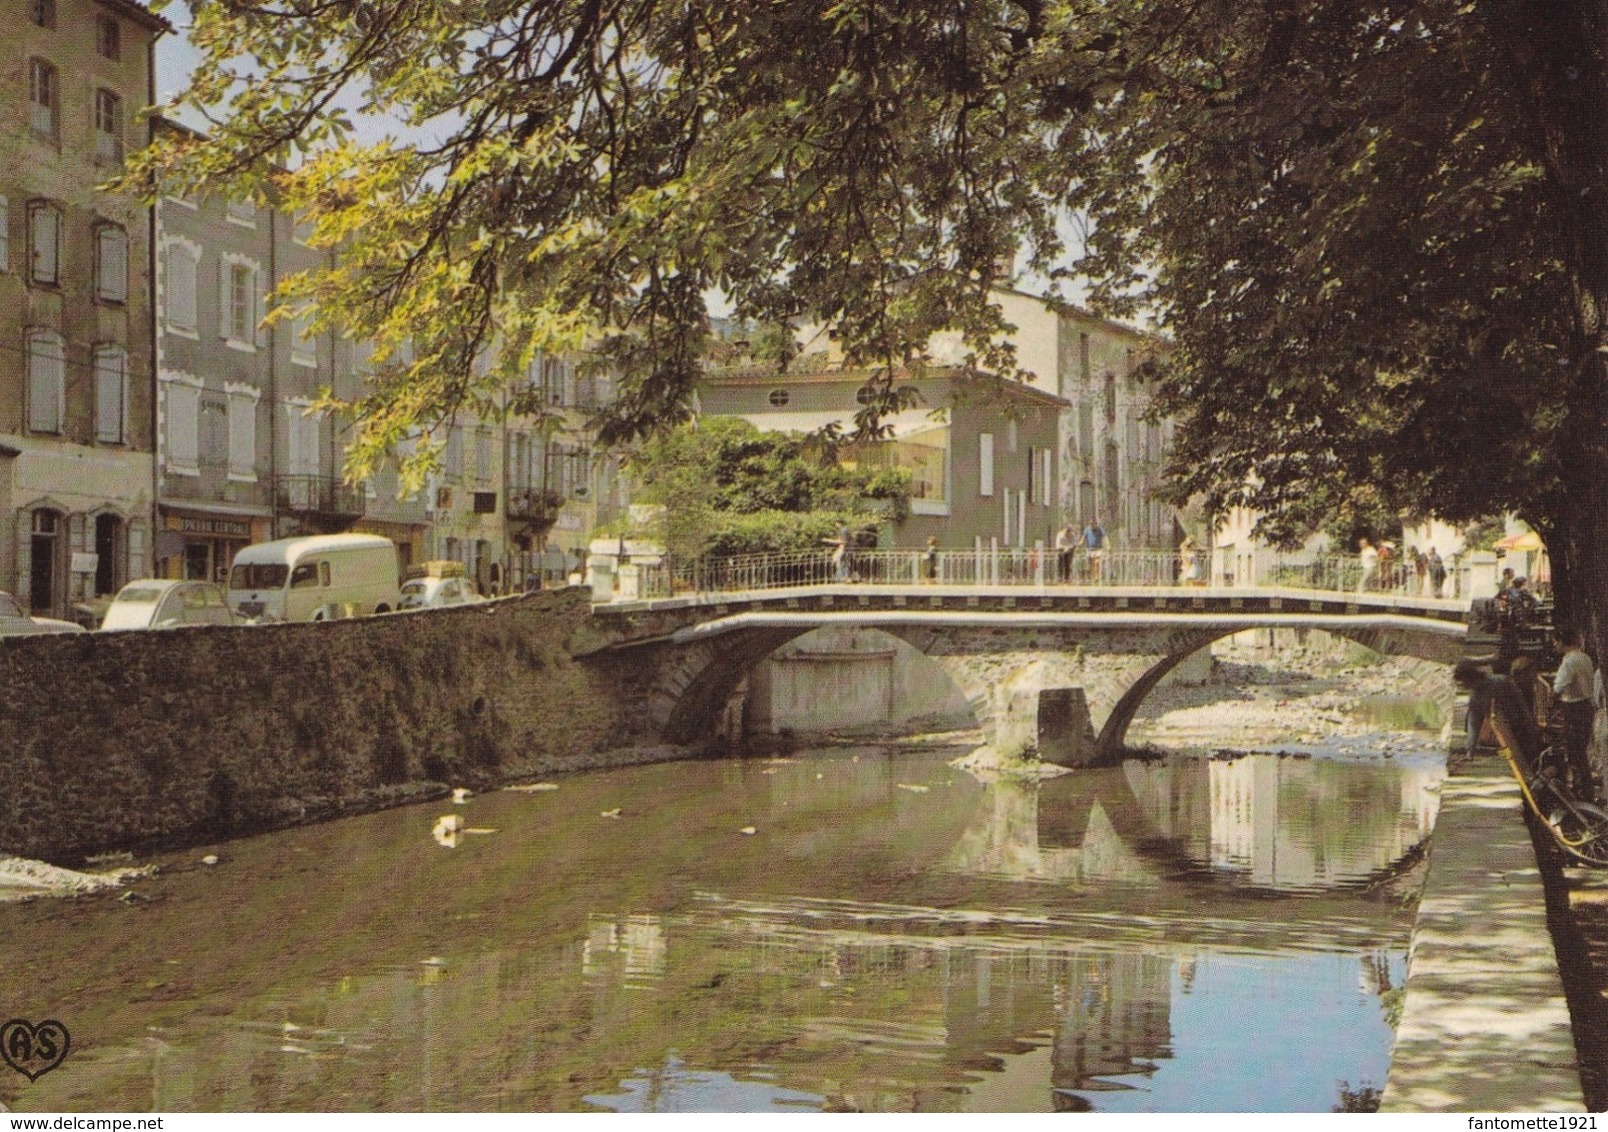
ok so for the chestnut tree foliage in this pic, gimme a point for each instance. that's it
(1375, 231)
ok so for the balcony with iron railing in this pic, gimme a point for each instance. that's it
(319, 495)
(537, 505)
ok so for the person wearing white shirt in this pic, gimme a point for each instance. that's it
(1573, 688)
(1369, 557)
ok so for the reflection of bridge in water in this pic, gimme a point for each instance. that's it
(1080, 994)
(1006, 945)
(684, 660)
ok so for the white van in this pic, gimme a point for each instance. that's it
(316, 578)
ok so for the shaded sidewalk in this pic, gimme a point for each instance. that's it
(1486, 1023)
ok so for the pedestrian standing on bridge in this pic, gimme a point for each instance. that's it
(840, 553)
(1094, 540)
(1437, 572)
(1189, 561)
(1066, 545)
(1573, 687)
(1370, 565)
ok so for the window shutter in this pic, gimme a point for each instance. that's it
(79, 585)
(242, 434)
(111, 246)
(45, 235)
(24, 594)
(179, 292)
(111, 386)
(183, 424)
(1045, 472)
(225, 302)
(137, 566)
(259, 331)
(46, 382)
(985, 463)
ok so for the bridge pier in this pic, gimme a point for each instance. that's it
(1054, 722)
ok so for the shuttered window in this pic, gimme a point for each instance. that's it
(111, 394)
(179, 287)
(111, 263)
(243, 434)
(44, 99)
(183, 427)
(47, 381)
(44, 242)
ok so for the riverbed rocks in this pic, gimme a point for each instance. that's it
(1293, 698)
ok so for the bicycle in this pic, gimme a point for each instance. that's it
(1578, 828)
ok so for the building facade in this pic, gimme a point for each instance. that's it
(558, 485)
(241, 455)
(75, 303)
(983, 462)
(1112, 454)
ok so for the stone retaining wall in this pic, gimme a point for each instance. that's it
(122, 739)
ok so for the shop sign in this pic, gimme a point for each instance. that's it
(211, 525)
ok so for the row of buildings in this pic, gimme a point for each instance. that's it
(151, 422)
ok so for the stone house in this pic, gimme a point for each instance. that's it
(75, 303)
(240, 457)
(559, 485)
(1111, 454)
(983, 462)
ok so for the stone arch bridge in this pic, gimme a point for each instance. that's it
(688, 657)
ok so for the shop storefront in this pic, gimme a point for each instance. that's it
(201, 545)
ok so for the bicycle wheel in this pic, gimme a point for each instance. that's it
(1581, 829)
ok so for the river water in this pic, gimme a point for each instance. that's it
(843, 929)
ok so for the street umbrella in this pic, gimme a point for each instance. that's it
(1523, 541)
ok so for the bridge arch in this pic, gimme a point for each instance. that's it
(1114, 733)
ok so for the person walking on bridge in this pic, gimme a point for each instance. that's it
(1573, 687)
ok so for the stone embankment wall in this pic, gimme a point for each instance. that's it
(126, 739)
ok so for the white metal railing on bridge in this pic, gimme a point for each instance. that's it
(1012, 566)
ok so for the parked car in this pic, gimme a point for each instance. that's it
(161, 603)
(438, 593)
(315, 578)
(15, 622)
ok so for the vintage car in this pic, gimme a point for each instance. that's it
(15, 622)
(430, 592)
(161, 603)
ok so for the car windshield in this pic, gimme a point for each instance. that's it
(140, 595)
(257, 576)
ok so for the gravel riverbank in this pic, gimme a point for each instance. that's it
(1302, 698)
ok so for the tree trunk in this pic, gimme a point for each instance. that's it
(1559, 53)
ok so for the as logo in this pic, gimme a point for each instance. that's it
(33, 1050)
